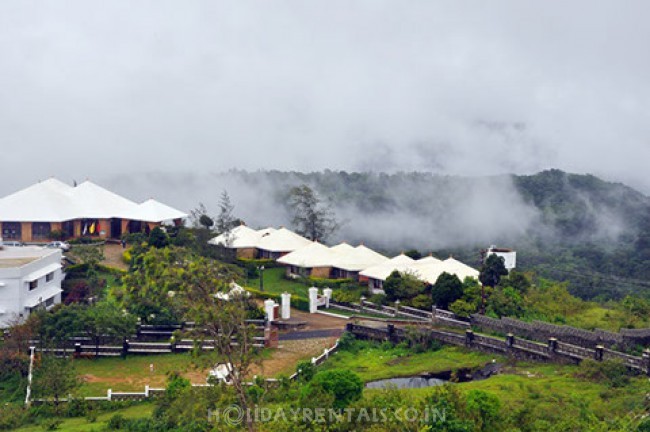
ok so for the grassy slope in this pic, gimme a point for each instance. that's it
(374, 363)
(133, 373)
(82, 424)
(275, 282)
(550, 388)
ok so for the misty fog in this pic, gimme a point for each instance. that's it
(429, 212)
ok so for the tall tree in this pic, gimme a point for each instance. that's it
(107, 319)
(492, 270)
(490, 274)
(447, 289)
(90, 256)
(225, 220)
(312, 217)
(54, 378)
(200, 218)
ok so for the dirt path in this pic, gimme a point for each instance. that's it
(113, 256)
(284, 359)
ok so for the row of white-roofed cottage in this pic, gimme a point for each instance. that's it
(306, 258)
(342, 261)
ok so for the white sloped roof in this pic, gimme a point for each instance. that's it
(242, 237)
(356, 258)
(430, 271)
(383, 270)
(54, 201)
(282, 240)
(313, 255)
(155, 211)
(94, 201)
(428, 260)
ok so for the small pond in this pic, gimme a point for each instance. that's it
(438, 378)
(407, 382)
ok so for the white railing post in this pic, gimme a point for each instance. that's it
(327, 292)
(313, 299)
(29, 376)
(269, 306)
(286, 306)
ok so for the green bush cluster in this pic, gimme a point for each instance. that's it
(297, 302)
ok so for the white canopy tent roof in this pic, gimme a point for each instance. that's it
(381, 271)
(242, 237)
(429, 271)
(355, 259)
(155, 211)
(54, 201)
(428, 260)
(313, 255)
(282, 240)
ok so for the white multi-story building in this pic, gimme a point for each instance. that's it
(30, 277)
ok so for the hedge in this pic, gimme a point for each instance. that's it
(297, 302)
(267, 263)
(82, 269)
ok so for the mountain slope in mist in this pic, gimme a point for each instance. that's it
(569, 226)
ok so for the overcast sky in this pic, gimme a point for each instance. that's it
(96, 88)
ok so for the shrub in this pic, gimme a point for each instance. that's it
(12, 416)
(118, 421)
(306, 370)
(343, 296)
(297, 302)
(127, 256)
(348, 342)
(326, 283)
(343, 384)
(51, 424)
(612, 373)
(379, 299)
(57, 235)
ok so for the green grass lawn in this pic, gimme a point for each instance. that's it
(276, 283)
(373, 363)
(552, 391)
(82, 424)
(132, 373)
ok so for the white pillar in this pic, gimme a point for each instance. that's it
(313, 298)
(286, 306)
(327, 292)
(269, 306)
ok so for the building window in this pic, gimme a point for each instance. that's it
(11, 230)
(41, 230)
(49, 302)
(135, 226)
(49, 277)
(33, 284)
(90, 227)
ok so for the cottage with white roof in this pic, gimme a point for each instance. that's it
(242, 239)
(313, 260)
(31, 214)
(352, 260)
(429, 271)
(280, 242)
(30, 277)
(377, 274)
